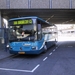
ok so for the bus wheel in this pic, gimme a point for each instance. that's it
(45, 48)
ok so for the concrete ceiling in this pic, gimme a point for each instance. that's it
(56, 16)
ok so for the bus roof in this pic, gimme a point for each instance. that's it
(32, 17)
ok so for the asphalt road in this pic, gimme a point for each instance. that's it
(58, 60)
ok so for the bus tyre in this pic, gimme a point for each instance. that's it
(45, 48)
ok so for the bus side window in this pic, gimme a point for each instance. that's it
(39, 32)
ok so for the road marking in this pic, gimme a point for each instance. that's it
(45, 58)
(50, 53)
(35, 68)
(54, 50)
(70, 46)
(56, 47)
(6, 69)
(18, 70)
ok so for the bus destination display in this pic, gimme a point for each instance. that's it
(22, 22)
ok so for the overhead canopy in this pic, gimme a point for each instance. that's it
(56, 16)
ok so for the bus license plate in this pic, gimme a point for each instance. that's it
(21, 52)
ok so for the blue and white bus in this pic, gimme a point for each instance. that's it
(31, 35)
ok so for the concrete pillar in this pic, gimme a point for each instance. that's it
(1, 32)
(0, 19)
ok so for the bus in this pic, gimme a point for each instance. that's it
(31, 35)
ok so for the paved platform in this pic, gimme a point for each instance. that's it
(4, 54)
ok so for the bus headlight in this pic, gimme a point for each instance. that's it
(35, 48)
(7, 46)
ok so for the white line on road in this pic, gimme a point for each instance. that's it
(15, 70)
(70, 46)
(50, 53)
(56, 47)
(18, 70)
(35, 68)
(54, 50)
(45, 58)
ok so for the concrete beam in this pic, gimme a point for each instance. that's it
(73, 4)
(60, 4)
(3, 4)
(18, 4)
(40, 3)
(37, 4)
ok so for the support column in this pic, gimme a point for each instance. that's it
(1, 33)
(0, 19)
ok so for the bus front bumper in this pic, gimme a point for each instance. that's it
(26, 52)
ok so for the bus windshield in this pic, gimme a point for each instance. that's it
(22, 33)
